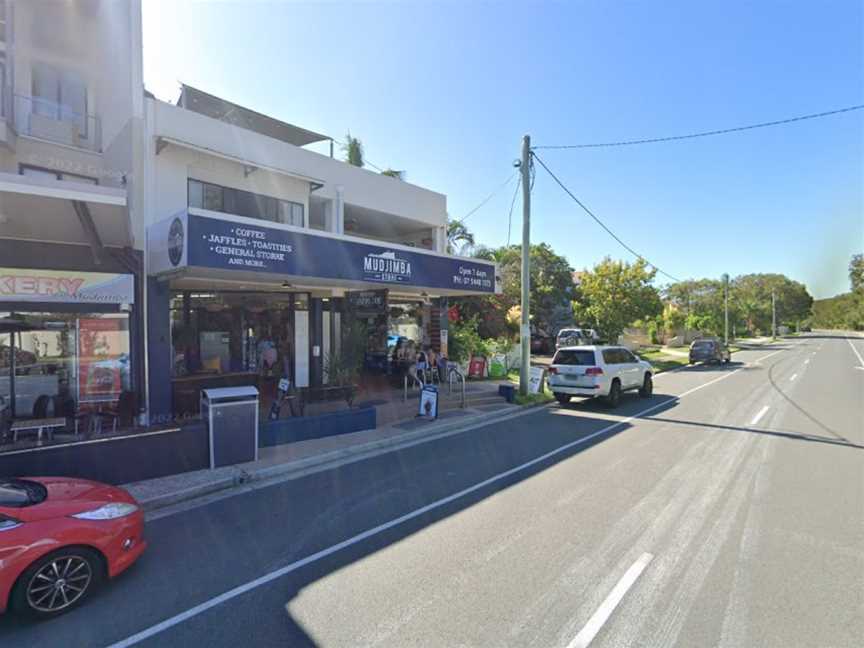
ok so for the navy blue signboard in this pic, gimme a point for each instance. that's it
(217, 243)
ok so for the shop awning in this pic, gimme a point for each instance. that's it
(200, 244)
(62, 211)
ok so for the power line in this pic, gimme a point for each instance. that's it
(723, 131)
(510, 215)
(487, 198)
(601, 223)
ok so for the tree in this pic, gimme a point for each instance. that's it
(551, 291)
(751, 295)
(459, 237)
(856, 272)
(393, 173)
(353, 149)
(616, 293)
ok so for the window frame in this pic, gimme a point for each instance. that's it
(249, 204)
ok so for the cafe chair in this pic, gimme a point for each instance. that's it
(40, 407)
(121, 414)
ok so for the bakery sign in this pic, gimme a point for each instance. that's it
(30, 285)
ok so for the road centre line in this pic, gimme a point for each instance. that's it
(323, 553)
(860, 359)
(759, 415)
(601, 615)
(793, 377)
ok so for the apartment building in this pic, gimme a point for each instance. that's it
(259, 249)
(71, 332)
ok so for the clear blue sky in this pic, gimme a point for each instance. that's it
(446, 91)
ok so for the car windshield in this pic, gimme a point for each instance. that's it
(18, 493)
(574, 357)
(703, 345)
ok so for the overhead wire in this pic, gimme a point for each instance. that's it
(488, 198)
(722, 131)
(602, 224)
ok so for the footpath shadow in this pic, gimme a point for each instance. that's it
(204, 552)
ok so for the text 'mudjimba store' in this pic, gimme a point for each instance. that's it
(234, 302)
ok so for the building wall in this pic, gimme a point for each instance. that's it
(360, 187)
(99, 41)
(174, 165)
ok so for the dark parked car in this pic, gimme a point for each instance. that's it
(542, 343)
(709, 350)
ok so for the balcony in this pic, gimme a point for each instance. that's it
(54, 122)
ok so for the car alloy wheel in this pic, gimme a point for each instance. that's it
(59, 583)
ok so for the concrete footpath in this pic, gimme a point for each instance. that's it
(301, 458)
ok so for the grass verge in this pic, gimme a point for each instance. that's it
(662, 361)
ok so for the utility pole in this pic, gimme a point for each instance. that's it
(726, 309)
(773, 314)
(525, 333)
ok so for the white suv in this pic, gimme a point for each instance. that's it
(598, 371)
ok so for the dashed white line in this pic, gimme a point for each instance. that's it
(793, 377)
(807, 361)
(607, 607)
(759, 415)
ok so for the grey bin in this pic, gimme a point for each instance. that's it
(231, 414)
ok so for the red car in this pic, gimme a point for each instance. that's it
(59, 537)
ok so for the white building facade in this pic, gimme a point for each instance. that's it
(250, 257)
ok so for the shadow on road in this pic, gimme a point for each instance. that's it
(775, 433)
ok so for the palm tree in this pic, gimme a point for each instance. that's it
(353, 149)
(458, 236)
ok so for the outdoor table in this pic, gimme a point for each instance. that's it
(38, 425)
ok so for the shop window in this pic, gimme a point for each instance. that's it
(65, 362)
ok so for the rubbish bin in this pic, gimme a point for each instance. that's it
(231, 414)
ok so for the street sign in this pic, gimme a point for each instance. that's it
(535, 380)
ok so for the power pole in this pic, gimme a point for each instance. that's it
(726, 309)
(773, 315)
(525, 334)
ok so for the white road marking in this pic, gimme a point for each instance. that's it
(768, 356)
(793, 377)
(759, 415)
(601, 615)
(318, 555)
(860, 359)
(807, 361)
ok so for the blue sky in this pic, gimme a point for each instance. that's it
(446, 91)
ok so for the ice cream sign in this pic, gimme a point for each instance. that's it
(29, 285)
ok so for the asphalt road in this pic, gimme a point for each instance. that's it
(728, 509)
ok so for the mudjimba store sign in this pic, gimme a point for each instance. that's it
(194, 240)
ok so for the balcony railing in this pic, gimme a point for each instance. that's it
(55, 122)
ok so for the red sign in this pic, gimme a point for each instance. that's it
(477, 367)
(99, 352)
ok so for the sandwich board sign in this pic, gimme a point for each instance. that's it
(535, 380)
(428, 402)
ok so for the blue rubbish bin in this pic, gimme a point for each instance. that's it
(508, 392)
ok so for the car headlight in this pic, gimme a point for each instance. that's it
(108, 511)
